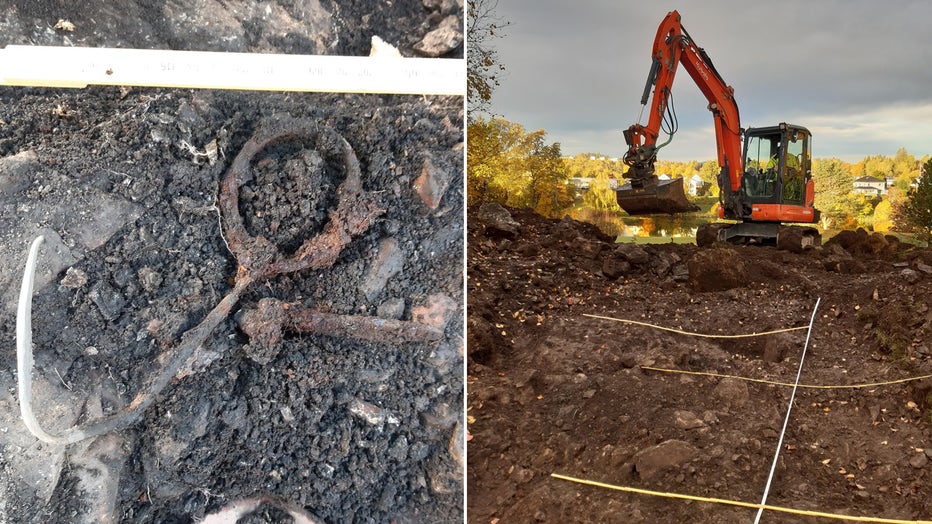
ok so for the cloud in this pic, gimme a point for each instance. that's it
(857, 73)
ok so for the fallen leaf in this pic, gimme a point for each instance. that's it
(826, 461)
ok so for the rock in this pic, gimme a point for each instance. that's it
(924, 268)
(680, 273)
(919, 460)
(388, 263)
(528, 249)
(264, 327)
(98, 468)
(650, 463)
(149, 279)
(613, 267)
(910, 276)
(497, 221)
(587, 248)
(438, 311)
(432, 183)
(445, 38)
(371, 413)
(628, 360)
(687, 420)
(109, 301)
(633, 253)
(566, 230)
(16, 172)
(777, 346)
(392, 309)
(717, 269)
(74, 278)
(844, 265)
(732, 392)
(457, 446)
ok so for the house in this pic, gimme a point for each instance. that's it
(696, 185)
(870, 186)
(582, 183)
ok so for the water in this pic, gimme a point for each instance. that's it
(624, 227)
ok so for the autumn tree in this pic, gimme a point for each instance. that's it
(600, 195)
(507, 165)
(549, 193)
(591, 165)
(709, 174)
(483, 67)
(914, 213)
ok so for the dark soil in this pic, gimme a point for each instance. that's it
(134, 257)
(553, 391)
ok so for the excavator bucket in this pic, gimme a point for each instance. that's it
(666, 196)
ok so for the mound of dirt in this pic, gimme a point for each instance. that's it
(552, 390)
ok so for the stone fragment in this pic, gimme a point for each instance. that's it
(149, 278)
(108, 300)
(497, 221)
(432, 183)
(392, 309)
(437, 313)
(16, 172)
(388, 263)
(687, 420)
(732, 392)
(445, 38)
(74, 278)
(650, 463)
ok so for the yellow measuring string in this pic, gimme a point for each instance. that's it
(775, 383)
(706, 335)
(749, 505)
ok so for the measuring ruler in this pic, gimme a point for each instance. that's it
(79, 67)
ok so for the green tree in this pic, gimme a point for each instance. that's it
(483, 67)
(915, 211)
(833, 184)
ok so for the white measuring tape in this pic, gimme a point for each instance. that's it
(78, 67)
(789, 410)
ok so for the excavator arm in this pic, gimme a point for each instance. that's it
(645, 193)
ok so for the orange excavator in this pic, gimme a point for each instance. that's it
(768, 185)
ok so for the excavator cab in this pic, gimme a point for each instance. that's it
(777, 175)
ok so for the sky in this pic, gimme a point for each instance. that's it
(856, 73)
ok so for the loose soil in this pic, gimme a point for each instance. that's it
(121, 184)
(553, 391)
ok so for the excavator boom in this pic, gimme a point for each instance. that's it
(673, 47)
